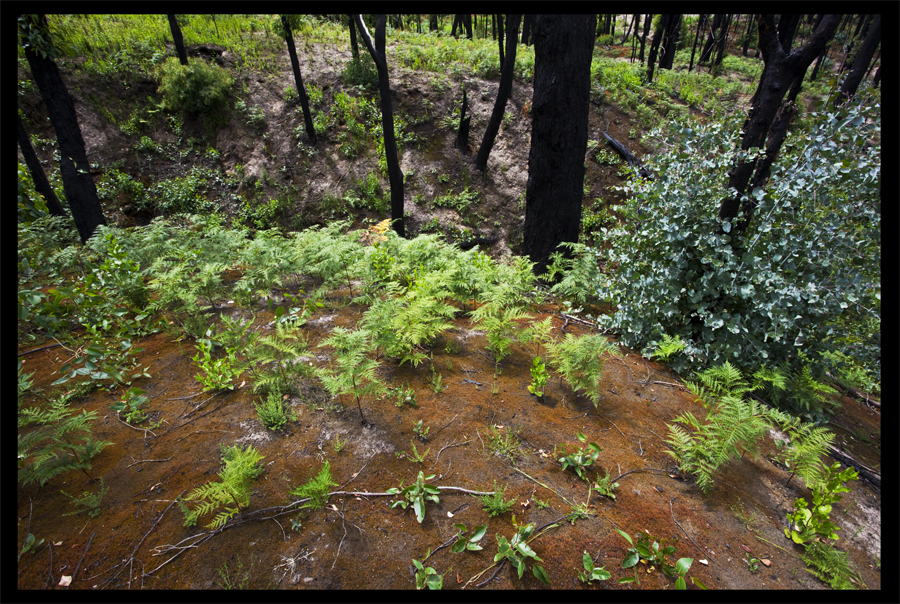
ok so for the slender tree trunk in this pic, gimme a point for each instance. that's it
(178, 38)
(787, 27)
(654, 47)
(716, 25)
(457, 21)
(634, 19)
(747, 35)
(41, 184)
(670, 41)
(527, 23)
(563, 46)
(395, 174)
(432, 23)
(648, 20)
(781, 72)
(354, 47)
(79, 188)
(723, 41)
(500, 39)
(506, 82)
(876, 79)
(298, 80)
(863, 57)
(700, 22)
(467, 22)
(462, 135)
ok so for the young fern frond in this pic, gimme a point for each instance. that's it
(316, 488)
(580, 361)
(232, 493)
(351, 371)
(808, 445)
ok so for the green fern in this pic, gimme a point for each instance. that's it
(832, 566)
(316, 489)
(60, 443)
(351, 371)
(809, 444)
(233, 491)
(668, 347)
(734, 424)
(580, 361)
(278, 360)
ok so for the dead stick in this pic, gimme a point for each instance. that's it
(146, 460)
(448, 423)
(453, 444)
(682, 528)
(201, 432)
(617, 428)
(82, 557)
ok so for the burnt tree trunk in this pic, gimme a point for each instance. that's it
(563, 46)
(654, 47)
(462, 136)
(722, 43)
(700, 22)
(711, 38)
(41, 184)
(432, 23)
(354, 47)
(178, 38)
(298, 79)
(747, 35)
(787, 28)
(780, 72)
(527, 24)
(506, 82)
(634, 19)
(500, 39)
(863, 57)
(670, 41)
(81, 193)
(648, 20)
(395, 175)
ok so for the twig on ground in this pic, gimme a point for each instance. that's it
(352, 478)
(201, 432)
(144, 430)
(453, 444)
(617, 428)
(682, 528)
(448, 423)
(146, 461)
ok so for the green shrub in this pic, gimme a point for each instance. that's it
(272, 413)
(183, 194)
(197, 87)
(361, 72)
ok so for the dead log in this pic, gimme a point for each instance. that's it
(627, 155)
(865, 471)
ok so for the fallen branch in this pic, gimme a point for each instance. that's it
(682, 528)
(868, 473)
(82, 557)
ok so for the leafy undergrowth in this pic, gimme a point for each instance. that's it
(255, 404)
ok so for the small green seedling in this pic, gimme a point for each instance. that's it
(538, 378)
(406, 395)
(427, 576)
(604, 487)
(581, 459)
(463, 542)
(593, 573)
(417, 494)
(415, 456)
(421, 432)
(752, 563)
(516, 551)
(807, 524)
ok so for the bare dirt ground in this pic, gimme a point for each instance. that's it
(359, 541)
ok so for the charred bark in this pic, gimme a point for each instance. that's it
(298, 80)
(506, 82)
(178, 39)
(41, 184)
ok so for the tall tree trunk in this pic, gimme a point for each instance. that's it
(298, 80)
(457, 21)
(527, 24)
(780, 72)
(178, 38)
(648, 20)
(654, 47)
(634, 39)
(506, 82)
(467, 22)
(395, 175)
(670, 41)
(747, 35)
(866, 51)
(563, 46)
(493, 27)
(634, 19)
(81, 193)
(500, 39)
(41, 184)
(462, 135)
(354, 47)
(787, 27)
(700, 22)
(711, 39)
(432, 23)
(723, 41)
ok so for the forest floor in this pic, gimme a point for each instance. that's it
(359, 541)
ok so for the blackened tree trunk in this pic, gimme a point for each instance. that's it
(634, 19)
(747, 35)
(467, 23)
(654, 47)
(711, 38)
(432, 23)
(865, 54)
(787, 28)
(81, 193)
(527, 24)
(178, 38)
(670, 41)
(723, 42)
(648, 20)
(493, 27)
(354, 47)
(769, 118)
(395, 175)
(506, 82)
(457, 21)
(563, 45)
(462, 136)
(500, 39)
(298, 79)
(700, 23)
(876, 79)
(41, 184)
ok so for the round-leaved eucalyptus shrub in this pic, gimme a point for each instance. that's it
(803, 278)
